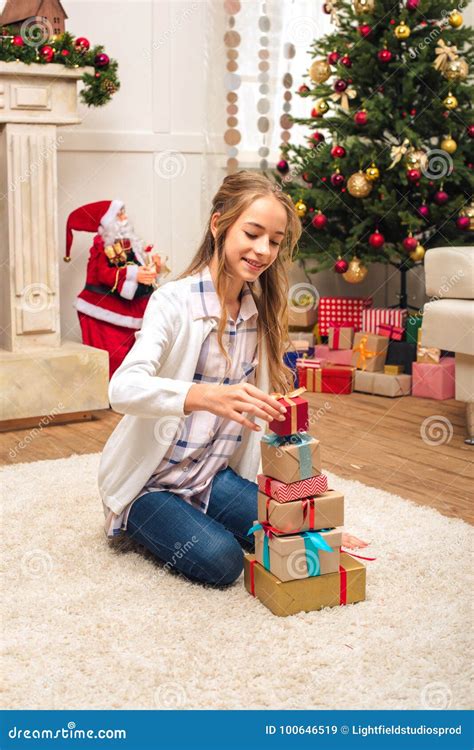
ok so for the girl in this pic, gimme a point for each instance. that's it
(178, 472)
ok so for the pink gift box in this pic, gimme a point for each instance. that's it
(336, 356)
(434, 381)
(284, 493)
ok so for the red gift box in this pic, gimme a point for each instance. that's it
(337, 310)
(391, 332)
(377, 316)
(330, 378)
(296, 417)
(284, 493)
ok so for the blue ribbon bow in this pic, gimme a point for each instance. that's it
(313, 542)
(302, 440)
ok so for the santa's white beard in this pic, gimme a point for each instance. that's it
(123, 230)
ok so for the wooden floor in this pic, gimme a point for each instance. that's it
(375, 440)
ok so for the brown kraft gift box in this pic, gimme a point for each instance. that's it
(283, 462)
(347, 586)
(288, 554)
(369, 351)
(324, 512)
(381, 384)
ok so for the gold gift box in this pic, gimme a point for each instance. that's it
(283, 462)
(290, 517)
(393, 369)
(288, 556)
(308, 594)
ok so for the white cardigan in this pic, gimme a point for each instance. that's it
(150, 388)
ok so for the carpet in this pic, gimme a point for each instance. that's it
(88, 626)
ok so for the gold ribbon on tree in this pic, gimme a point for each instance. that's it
(331, 8)
(444, 54)
(396, 152)
(344, 97)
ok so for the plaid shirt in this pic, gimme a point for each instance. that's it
(204, 442)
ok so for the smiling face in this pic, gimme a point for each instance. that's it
(252, 242)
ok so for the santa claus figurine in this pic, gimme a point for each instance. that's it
(121, 275)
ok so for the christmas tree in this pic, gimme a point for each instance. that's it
(386, 170)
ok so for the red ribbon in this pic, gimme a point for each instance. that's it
(352, 554)
(343, 585)
(252, 577)
(337, 330)
(305, 502)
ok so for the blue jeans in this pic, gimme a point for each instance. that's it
(205, 547)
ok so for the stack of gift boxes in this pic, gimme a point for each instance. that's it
(298, 564)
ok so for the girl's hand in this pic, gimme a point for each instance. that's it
(352, 542)
(233, 401)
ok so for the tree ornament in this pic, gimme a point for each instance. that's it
(456, 70)
(413, 175)
(410, 243)
(358, 185)
(319, 220)
(82, 44)
(306, 177)
(468, 212)
(18, 41)
(463, 223)
(303, 89)
(47, 53)
(346, 61)
(376, 239)
(360, 117)
(470, 131)
(321, 106)
(338, 152)
(300, 208)
(364, 30)
(416, 158)
(441, 197)
(337, 179)
(402, 31)
(384, 55)
(450, 102)
(333, 57)
(455, 19)
(317, 137)
(319, 71)
(364, 6)
(341, 265)
(424, 211)
(418, 254)
(412, 5)
(340, 85)
(356, 271)
(449, 145)
(65, 52)
(101, 60)
(283, 166)
(372, 173)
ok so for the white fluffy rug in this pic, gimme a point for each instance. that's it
(86, 626)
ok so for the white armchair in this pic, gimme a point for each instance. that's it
(448, 320)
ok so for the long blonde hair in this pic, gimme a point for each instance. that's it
(270, 292)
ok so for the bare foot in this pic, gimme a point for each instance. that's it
(352, 542)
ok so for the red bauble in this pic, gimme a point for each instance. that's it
(282, 166)
(317, 137)
(364, 29)
(303, 89)
(470, 131)
(413, 175)
(326, 8)
(384, 55)
(424, 211)
(333, 57)
(338, 180)
(360, 118)
(65, 52)
(463, 222)
(17, 41)
(412, 4)
(102, 60)
(319, 220)
(315, 113)
(82, 44)
(410, 244)
(346, 60)
(338, 152)
(341, 265)
(441, 197)
(340, 85)
(376, 239)
(306, 176)
(47, 53)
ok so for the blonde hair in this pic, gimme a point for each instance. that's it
(270, 291)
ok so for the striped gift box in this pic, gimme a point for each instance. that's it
(284, 493)
(376, 316)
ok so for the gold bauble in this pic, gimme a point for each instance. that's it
(450, 102)
(449, 145)
(456, 70)
(321, 106)
(455, 19)
(469, 211)
(372, 173)
(319, 71)
(358, 185)
(416, 158)
(402, 31)
(356, 271)
(300, 208)
(364, 6)
(417, 254)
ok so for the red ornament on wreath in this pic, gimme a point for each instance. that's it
(413, 175)
(338, 152)
(303, 89)
(376, 239)
(441, 197)
(346, 60)
(364, 30)
(341, 265)
(360, 118)
(410, 244)
(65, 52)
(319, 220)
(101, 60)
(82, 44)
(384, 56)
(18, 41)
(47, 53)
(333, 58)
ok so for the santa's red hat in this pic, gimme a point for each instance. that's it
(90, 218)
